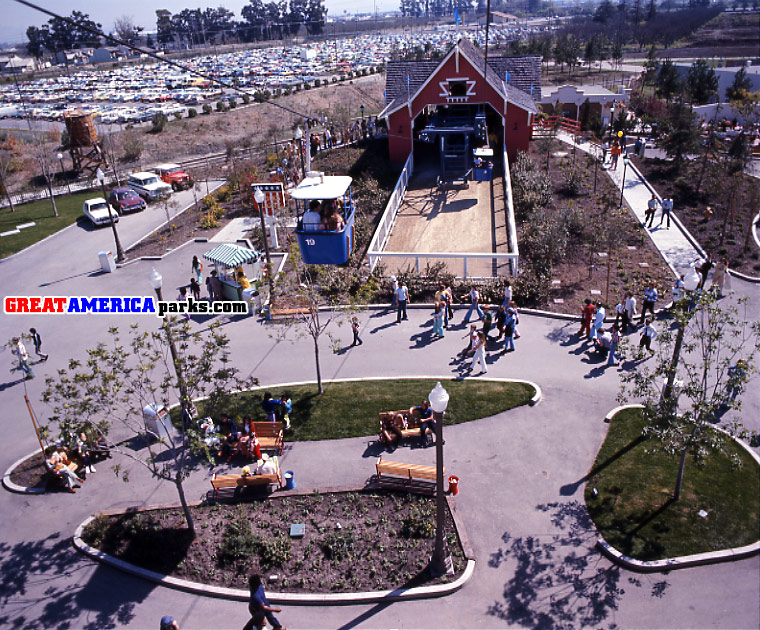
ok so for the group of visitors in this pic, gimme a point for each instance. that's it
(66, 462)
(392, 425)
(324, 216)
(22, 356)
(666, 205)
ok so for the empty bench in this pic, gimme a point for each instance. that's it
(269, 435)
(405, 472)
(285, 312)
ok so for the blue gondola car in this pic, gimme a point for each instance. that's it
(319, 246)
(482, 164)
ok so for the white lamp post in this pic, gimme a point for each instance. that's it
(622, 187)
(299, 137)
(101, 177)
(259, 197)
(441, 561)
(60, 159)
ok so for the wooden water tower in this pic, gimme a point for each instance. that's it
(83, 146)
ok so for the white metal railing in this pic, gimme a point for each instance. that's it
(493, 259)
(509, 206)
(383, 231)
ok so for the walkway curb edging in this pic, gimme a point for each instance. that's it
(14, 487)
(311, 599)
(679, 562)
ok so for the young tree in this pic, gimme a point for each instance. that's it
(708, 342)
(125, 29)
(701, 82)
(667, 81)
(682, 134)
(110, 388)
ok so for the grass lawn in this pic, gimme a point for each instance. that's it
(41, 212)
(350, 409)
(633, 510)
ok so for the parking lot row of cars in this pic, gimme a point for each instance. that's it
(141, 188)
(257, 69)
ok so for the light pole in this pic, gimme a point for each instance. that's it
(259, 197)
(299, 137)
(441, 561)
(156, 281)
(622, 187)
(119, 251)
(68, 184)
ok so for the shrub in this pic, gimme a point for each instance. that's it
(307, 85)
(220, 106)
(274, 552)
(232, 103)
(192, 113)
(133, 147)
(178, 115)
(238, 541)
(246, 99)
(531, 188)
(571, 180)
(159, 122)
(208, 221)
(207, 109)
(418, 524)
(338, 545)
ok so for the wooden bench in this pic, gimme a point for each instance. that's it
(235, 482)
(413, 423)
(287, 312)
(56, 476)
(407, 472)
(269, 435)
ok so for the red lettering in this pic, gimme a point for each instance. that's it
(59, 304)
(47, 305)
(23, 305)
(34, 305)
(10, 305)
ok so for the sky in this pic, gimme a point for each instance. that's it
(17, 17)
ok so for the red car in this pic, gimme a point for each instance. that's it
(125, 199)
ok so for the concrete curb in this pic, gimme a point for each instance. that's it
(679, 562)
(310, 599)
(48, 237)
(13, 487)
(162, 256)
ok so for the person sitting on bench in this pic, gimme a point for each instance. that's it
(390, 427)
(58, 462)
(229, 432)
(603, 342)
(425, 414)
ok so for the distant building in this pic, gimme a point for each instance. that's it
(567, 101)
(726, 78)
(499, 17)
(14, 63)
(73, 57)
(106, 54)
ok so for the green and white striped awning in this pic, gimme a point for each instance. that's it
(231, 255)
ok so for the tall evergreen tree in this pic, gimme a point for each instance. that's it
(701, 82)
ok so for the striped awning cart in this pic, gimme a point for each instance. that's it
(231, 255)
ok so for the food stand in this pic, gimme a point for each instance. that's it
(227, 258)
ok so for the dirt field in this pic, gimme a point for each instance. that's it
(456, 220)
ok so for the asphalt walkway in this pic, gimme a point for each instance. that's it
(521, 477)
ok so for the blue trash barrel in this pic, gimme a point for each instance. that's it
(290, 480)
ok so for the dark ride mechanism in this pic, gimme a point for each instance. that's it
(321, 246)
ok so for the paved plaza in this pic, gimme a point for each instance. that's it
(521, 472)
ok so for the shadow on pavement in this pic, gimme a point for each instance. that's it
(60, 597)
(562, 581)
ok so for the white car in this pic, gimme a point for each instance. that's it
(97, 210)
(149, 186)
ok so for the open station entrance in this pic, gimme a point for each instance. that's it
(458, 117)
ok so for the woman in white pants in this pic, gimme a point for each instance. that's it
(480, 353)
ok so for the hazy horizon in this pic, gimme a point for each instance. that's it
(18, 17)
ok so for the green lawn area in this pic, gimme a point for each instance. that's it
(41, 212)
(633, 511)
(350, 409)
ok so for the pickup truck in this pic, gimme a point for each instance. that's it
(97, 210)
(174, 175)
(149, 186)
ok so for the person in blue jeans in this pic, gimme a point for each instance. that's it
(270, 406)
(509, 330)
(474, 306)
(258, 604)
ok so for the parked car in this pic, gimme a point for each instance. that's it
(174, 175)
(97, 211)
(124, 199)
(149, 186)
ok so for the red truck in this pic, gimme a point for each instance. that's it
(174, 175)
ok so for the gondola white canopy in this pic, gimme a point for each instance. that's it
(231, 255)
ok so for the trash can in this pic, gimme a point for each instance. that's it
(290, 480)
(454, 485)
(253, 297)
(107, 262)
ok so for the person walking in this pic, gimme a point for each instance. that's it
(394, 288)
(195, 289)
(651, 211)
(650, 298)
(587, 314)
(474, 305)
(440, 309)
(23, 357)
(471, 335)
(720, 276)
(647, 334)
(667, 206)
(703, 269)
(258, 604)
(37, 341)
(507, 295)
(619, 310)
(449, 298)
(355, 329)
(168, 623)
(487, 320)
(614, 341)
(440, 299)
(480, 353)
(501, 318)
(510, 323)
(615, 152)
(402, 299)
(630, 312)
(197, 269)
(598, 320)
(513, 308)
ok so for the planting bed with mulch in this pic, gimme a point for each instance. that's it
(31, 473)
(353, 541)
(715, 235)
(634, 259)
